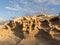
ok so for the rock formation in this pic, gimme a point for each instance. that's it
(31, 30)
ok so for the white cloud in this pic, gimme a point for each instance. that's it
(55, 2)
(28, 7)
(16, 8)
(2, 19)
(40, 1)
(10, 8)
(23, 1)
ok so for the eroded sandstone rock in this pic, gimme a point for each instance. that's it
(35, 30)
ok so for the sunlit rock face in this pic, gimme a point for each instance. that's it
(35, 30)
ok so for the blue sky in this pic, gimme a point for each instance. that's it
(16, 8)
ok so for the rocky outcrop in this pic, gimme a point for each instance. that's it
(36, 30)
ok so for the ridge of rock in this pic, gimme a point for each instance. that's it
(31, 30)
